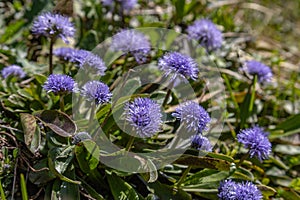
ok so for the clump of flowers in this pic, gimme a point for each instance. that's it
(179, 66)
(64, 53)
(256, 140)
(263, 72)
(82, 58)
(125, 4)
(144, 116)
(134, 42)
(227, 190)
(200, 142)
(13, 70)
(53, 26)
(59, 84)
(193, 116)
(230, 190)
(96, 91)
(206, 33)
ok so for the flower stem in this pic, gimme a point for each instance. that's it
(185, 173)
(92, 114)
(51, 56)
(62, 103)
(244, 157)
(129, 144)
(252, 94)
(168, 94)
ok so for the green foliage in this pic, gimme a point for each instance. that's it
(41, 158)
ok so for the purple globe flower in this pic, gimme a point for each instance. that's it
(13, 70)
(227, 190)
(206, 32)
(80, 137)
(263, 72)
(248, 190)
(256, 140)
(131, 41)
(179, 65)
(200, 142)
(193, 116)
(79, 56)
(96, 91)
(59, 84)
(94, 64)
(53, 26)
(125, 4)
(83, 59)
(128, 4)
(64, 52)
(144, 116)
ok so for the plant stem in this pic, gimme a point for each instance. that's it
(62, 103)
(168, 94)
(129, 144)
(51, 56)
(185, 173)
(244, 157)
(92, 114)
(252, 94)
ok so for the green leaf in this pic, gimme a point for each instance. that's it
(87, 154)
(266, 191)
(220, 156)
(42, 174)
(295, 184)
(204, 162)
(288, 194)
(32, 136)
(168, 192)
(287, 149)
(120, 189)
(91, 190)
(61, 157)
(290, 123)
(41, 79)
(206, 176)
(58, 122)
(23, 187)
(11, 30)
(58, 175)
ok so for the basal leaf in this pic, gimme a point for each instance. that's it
(58, 122)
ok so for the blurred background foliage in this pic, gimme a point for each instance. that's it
(264, 29)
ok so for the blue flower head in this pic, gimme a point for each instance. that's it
(94, 64)
(53, 26)
(200, 142)
(59, 84)
(96, 91)
(125, 4)
(79, 56)
(193, 116)
(13, 70)
(263, 72)
(80, 137)
(248, 190)
(227, 190)
(179, 65)
(83, 59)
(144, 116)
(206, 33)
(131, 41)
(256, 140)
(64, 53)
